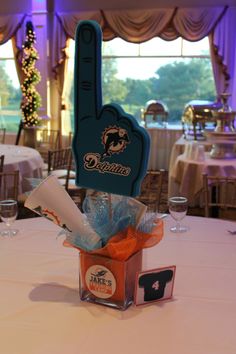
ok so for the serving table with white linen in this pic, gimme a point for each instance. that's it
(26, 160)
(162, 141)
(180, 145)
(185, 177)
(41, 313)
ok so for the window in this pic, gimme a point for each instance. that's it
(10, 92)
(174, 72)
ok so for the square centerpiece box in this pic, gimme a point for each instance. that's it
(108, 281)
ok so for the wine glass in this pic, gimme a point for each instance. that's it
(8, 214)
(178, 207)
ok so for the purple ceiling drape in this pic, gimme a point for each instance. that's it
(10, 26)
(224, 55)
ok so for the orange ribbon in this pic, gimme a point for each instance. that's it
(127, 242)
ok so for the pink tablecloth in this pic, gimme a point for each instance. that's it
(41, 313)
(185, 177)
(179, 147)
(26, 160)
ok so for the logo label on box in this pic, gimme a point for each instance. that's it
(100, 281)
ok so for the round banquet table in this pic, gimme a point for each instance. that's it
(185, 177)
(26, 160)
(179, 147)
(41, 313)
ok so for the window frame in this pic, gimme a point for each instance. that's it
(11, 112)
(183, 50)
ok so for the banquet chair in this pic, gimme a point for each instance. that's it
(219, 196)
(59, 165)
(70, 137)
(1, 162)
(78, 194)
(151, 189)
(2, 135)
(9, 185)
(47, 139)
(59, 162)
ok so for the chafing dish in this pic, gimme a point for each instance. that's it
(195, 116)
(223, 137)
(154, 110)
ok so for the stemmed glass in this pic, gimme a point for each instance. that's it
(178, 207)
(8, 214)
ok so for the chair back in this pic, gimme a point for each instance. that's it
(1, 162)
(59, 159)
(61, 164)
(78, 194)
(151, 189)
(47, 139)
(219, 196)
(70, 137)
(9, 185)
(2, 135)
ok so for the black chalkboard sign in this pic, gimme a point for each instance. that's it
(154, 285)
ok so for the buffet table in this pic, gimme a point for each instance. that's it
(162, 141)
(41, 313)
(185, 177)
(26, 160)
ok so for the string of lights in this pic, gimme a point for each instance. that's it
(31, 98)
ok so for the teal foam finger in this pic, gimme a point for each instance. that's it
(111, 150)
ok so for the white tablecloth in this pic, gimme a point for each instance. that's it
(185, 177)
(179, 147)
(26, 160)
(162, 141)
(40, 310)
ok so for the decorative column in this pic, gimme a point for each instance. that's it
(39, 19)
